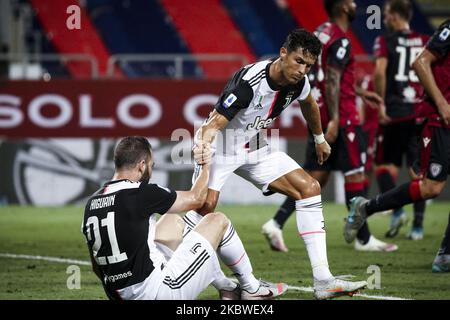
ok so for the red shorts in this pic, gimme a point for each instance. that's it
(348, 152)
(435, 152)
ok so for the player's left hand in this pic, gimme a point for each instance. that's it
(323, 152)
(202, 153)
(372, 99)
(444, 112)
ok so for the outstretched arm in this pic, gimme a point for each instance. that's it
(194, 198)
(209, 129)
(206, 134)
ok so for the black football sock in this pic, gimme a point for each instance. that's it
(419, 211)
(363, 234)
(385, 180)
(366, 186)
(355, 189)
(285, 211)
(445, 244)
(395, 198)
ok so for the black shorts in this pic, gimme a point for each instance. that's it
(348, 152)
(370, 138)
(435, 153)
(395, 140)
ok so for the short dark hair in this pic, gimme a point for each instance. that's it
(130, 150)
(402, 7)
(301, 38)
(330, 6)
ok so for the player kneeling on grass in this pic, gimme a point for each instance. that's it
(134, 256)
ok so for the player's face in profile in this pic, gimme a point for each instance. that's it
(297, 64)
(351, 9)
(388, 17)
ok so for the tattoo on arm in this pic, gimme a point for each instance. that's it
(332, 89)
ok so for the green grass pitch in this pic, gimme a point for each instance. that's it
(56, 232)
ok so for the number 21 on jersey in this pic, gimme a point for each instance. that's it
(107, 222)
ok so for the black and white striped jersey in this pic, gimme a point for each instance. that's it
(119, 226)
(251, 101)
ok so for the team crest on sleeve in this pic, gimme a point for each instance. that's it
(444, 34)
(229, 100)
(435, 169)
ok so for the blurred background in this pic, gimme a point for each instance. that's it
(77, 75)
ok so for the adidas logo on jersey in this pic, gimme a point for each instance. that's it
(426, 141)
(259, 124)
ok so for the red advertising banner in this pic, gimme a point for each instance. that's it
(115, 108)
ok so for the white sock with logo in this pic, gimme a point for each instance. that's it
(310, 225)
(231, 251)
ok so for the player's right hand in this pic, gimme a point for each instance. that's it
(383, 118)
(202, 153)
(323, 152)
(332, 131)
(444, 112)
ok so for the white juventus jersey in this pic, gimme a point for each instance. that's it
(251, 102)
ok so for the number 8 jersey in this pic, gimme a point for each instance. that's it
(337, 53)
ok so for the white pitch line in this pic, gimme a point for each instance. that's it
(87, 263)
(310, 289)
(51, 259)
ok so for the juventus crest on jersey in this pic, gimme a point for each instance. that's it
(251, 102)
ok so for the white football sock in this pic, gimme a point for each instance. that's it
(231, 251)
(310, 224)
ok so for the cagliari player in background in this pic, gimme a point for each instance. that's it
(334, 88)
(432, 67)
(398, 84)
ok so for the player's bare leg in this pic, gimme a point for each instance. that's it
(169, 231)
(273, 228)
(310, 223)
(431, 188)
(232, 252)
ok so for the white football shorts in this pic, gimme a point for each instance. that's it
(260, 167)
(188, 271)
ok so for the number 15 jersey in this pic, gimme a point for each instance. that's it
(403, 89)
